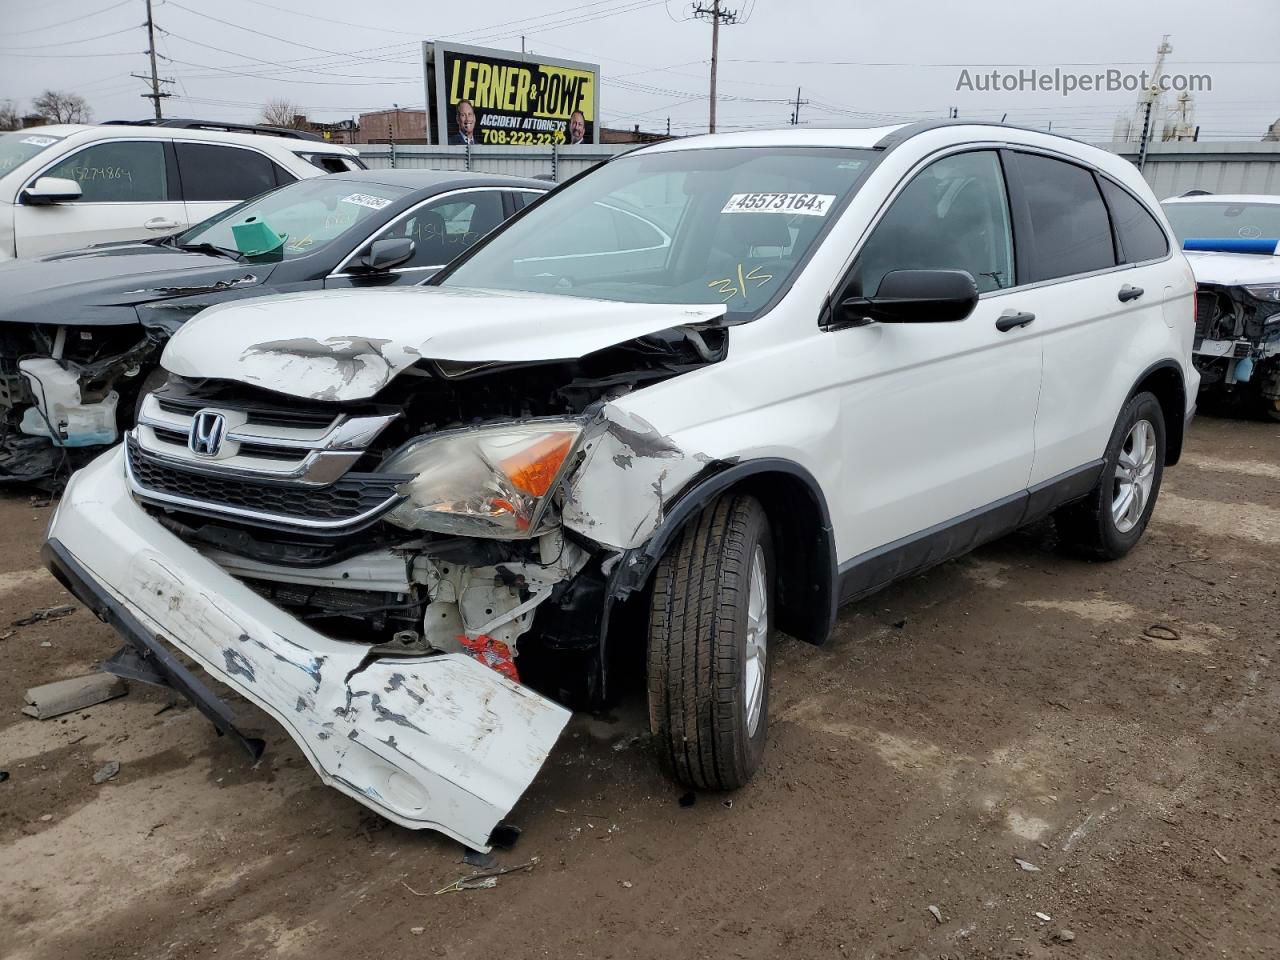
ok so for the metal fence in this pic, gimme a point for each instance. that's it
(1171, 168)
(1229, 167)
(560, 163)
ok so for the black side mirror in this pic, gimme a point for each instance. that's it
(385, 254)
(916, 296)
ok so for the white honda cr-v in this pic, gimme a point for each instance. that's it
(705, 392)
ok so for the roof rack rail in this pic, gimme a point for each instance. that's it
(184, 124)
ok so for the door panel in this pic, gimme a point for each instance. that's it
(1093, 340)
(937, 418)
(126, 195)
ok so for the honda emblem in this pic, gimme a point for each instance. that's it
(207, 428)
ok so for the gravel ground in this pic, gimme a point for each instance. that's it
(1013, 705)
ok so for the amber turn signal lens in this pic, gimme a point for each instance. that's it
(534, 469)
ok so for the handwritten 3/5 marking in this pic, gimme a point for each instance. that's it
(727, 288)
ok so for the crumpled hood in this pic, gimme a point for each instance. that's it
(102, 285)
(349, 344)
(1234, 269)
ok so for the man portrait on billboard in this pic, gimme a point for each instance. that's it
(577, 127)
(466, 117)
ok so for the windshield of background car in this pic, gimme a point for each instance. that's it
(726, 225)
(309, 213)
(1217, 220)
(17, 148)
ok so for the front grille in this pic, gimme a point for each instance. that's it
(352, 501)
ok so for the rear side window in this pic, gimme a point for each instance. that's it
(1070, 230)
(124, 172)
(952, 216)
(1138, 232)
(223, 173)
(440, 231)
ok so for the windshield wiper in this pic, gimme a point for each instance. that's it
(210, 248)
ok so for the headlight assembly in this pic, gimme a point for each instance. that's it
(483, 482)
(1269, 292)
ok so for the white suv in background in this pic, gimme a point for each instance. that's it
(708, 390)
(66, 186)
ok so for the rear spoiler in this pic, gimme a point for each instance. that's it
(1269, 246)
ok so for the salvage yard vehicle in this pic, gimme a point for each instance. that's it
(1233, 244)
(66, 186)
(81, 332)
(704, 392)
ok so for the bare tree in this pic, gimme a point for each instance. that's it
(9, 116)
(59, 107)
(283, 113)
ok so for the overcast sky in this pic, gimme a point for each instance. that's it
(864, 63)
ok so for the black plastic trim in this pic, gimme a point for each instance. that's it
(878, 568)
(149, 647)
(632, 571)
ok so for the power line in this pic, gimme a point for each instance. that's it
(63, 23)
(67, 43)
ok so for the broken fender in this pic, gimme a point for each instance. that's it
(436, 742)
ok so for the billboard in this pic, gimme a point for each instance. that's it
(499, 98)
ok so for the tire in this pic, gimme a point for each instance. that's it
(703, 649)
(1094, 527)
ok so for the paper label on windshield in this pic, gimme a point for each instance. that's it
(808, 204)
(39, 141)
(365, 200)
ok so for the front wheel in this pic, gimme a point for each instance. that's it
(709, 663)
(1110, 521)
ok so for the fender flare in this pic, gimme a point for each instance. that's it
(632, 571)
(1175, 427)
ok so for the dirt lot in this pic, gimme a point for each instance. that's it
(1014, 704)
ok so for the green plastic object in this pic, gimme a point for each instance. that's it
(254, 238)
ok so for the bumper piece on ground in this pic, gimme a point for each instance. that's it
(436, 742)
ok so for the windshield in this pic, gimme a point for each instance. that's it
(725, 225)
(309, 214)
(1247, 220)
(17, 148)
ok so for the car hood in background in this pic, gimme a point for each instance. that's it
(349, 344)
(100, 286)
(1234, 269)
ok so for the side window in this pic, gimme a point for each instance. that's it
(124, 172)
(211, 172)
(953, 216)
(440, 231)
(525, 197)
(1070, 231)
(1140, 236)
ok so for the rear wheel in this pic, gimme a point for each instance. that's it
(709, 663)
(1110, 521)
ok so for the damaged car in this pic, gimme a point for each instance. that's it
(1233, 244)
(81, 332)
(699, 396)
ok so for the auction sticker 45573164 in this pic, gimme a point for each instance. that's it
(808, 204)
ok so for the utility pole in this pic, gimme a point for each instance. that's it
(155, 96)
(717, 16)
(795, 115)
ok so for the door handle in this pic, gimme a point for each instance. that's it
(1010, 321)
(161, 223)
(1129, 292)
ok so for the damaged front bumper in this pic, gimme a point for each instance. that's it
(436, 742)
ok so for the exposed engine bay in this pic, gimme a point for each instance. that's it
(331, 536)
(63, 389)
(1237, 344)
